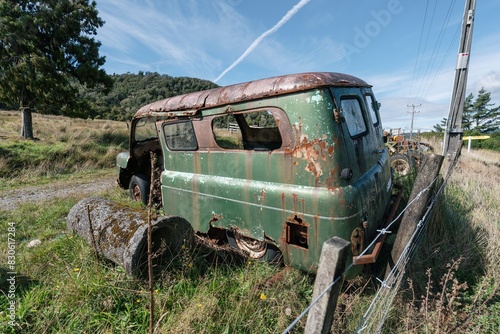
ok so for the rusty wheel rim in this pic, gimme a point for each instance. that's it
(254, 248)
(136, 192)
(401, 167)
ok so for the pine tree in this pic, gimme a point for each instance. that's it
(479, 116)
(440, 127)
(47, 49)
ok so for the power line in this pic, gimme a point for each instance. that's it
(418, 53)
(431, 64)
(423, 79)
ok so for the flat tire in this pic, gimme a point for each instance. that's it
(139, 189)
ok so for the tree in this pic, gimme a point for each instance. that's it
(478, 115)
(47, 50)
(439, 128)
(132, 91)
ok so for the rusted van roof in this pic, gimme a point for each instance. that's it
(251, 90)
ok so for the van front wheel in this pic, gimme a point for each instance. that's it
(139, 189)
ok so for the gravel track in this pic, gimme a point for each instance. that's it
(10, 199)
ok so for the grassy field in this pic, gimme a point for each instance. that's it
(452, 284)
(64, 148)
(453, 281)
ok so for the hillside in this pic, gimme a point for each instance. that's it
(129, 93)
(132, 91)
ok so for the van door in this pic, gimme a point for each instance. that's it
(366, 152)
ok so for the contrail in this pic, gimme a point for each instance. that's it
(259, 39)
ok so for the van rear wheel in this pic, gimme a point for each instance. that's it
(139, 189)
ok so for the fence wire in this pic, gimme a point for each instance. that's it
(374, 318)
(376, 314)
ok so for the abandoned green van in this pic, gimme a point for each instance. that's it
(273, 167)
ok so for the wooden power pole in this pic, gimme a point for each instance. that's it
(413, 112)
(453, 136)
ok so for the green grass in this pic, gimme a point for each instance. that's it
(22, 157)
(63, 288)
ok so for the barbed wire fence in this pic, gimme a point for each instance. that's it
(376, 314)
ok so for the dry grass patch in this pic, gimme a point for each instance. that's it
(62, 146)
(454, 280)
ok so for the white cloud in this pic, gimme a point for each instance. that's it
(395, 113)
(170, 35)
(434, 94)
(484, 69)
(490, 82)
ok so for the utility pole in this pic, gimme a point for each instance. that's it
(413, 112)
(454, 132)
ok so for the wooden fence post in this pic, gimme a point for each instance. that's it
(428, 172)
(331, 265)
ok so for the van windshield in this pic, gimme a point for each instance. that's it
(353, 114)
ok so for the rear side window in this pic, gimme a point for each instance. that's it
(254, 130)
(353, 114)
(180, 136)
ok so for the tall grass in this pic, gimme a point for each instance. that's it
(63, 146)
(452, 284)
(453, 281)
(62, 288)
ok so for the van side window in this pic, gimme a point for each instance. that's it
(255, 130)
(370, 105)
(180, 136)
(351, 109)
(145, 129)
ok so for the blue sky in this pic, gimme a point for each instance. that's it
(406, 49)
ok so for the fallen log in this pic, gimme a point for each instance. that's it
(119, 233)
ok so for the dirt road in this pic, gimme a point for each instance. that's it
(10, 199)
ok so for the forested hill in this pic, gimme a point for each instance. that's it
(132, 91)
